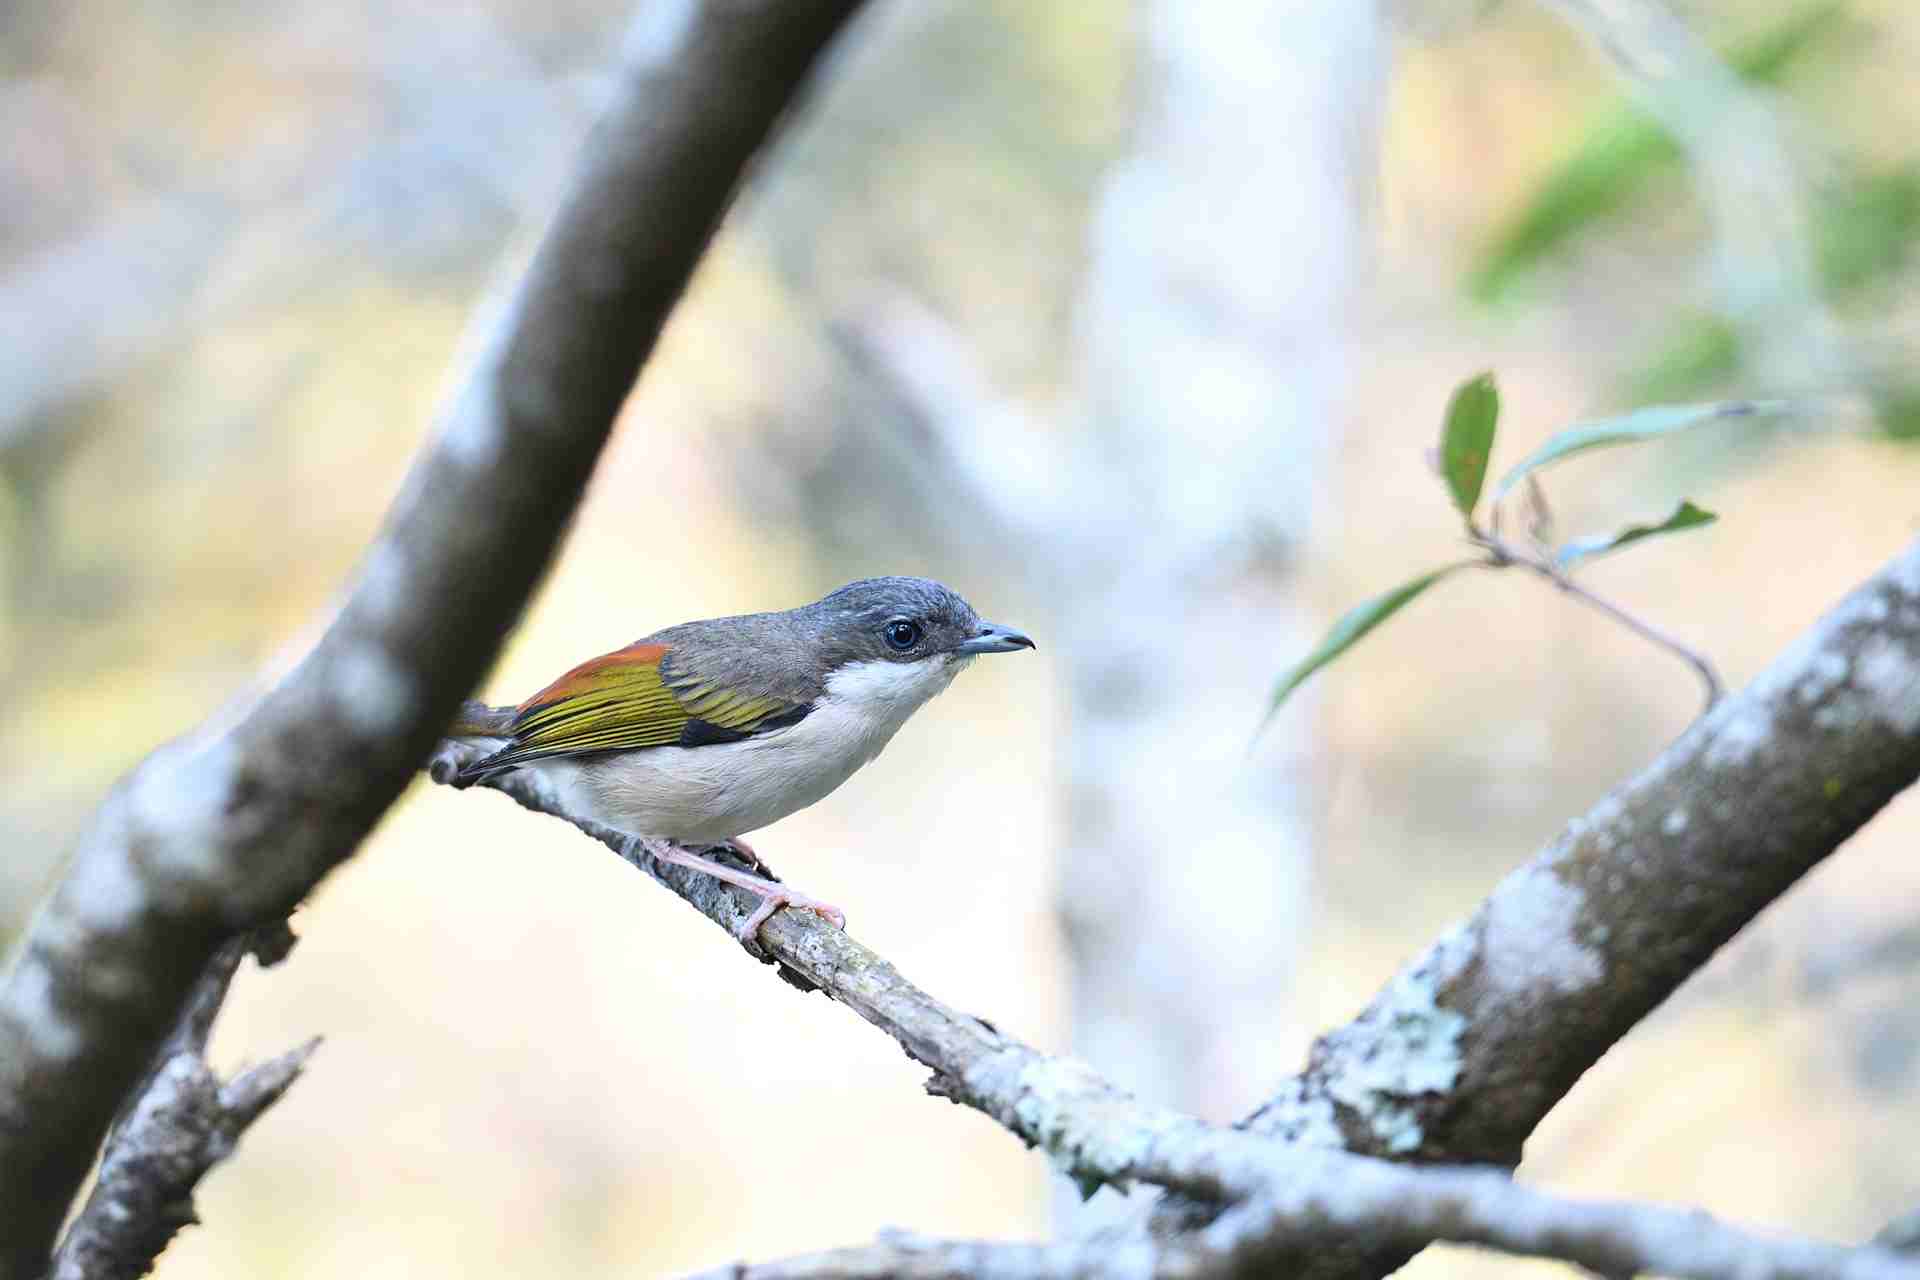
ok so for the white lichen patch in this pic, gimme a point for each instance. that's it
(49, 1033)
(1826, 671)
(1405, 1045)
(1888, 679)
(103, 891)
(660, 31)
(177, 804)
(1742, 730)
(386, 587)
(1055, 1103)
(472, 435)
(1530, 935)
(1313, 1122)
(1904, 574)
(375, 695)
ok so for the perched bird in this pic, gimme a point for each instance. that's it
(705, 731)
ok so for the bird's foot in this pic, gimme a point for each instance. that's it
(773, 895)
(779, 897)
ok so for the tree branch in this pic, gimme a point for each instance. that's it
(1328, 1204)
(233, 824)
(176, 1127)
(1471, 1044)
(1276, 1199)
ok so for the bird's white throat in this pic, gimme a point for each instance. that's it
(893, 690)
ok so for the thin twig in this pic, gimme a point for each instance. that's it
(1502, 554)
(1672, 644)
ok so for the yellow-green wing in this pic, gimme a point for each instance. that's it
(623, 701)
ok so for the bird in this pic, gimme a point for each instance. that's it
(699, 733)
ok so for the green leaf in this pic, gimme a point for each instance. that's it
(1685, 516)
(1466, 441)
(1630, 428)
(1353, 624)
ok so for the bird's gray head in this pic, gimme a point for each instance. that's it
(904, 621)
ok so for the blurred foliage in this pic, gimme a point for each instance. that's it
(1617, 157)
(1863, 226)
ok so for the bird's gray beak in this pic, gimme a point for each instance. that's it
(994, 638)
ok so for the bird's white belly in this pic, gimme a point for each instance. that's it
(697, 795)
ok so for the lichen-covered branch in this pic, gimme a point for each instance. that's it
(177, 1125)
(1093, 1131)
(1371, 1200)
(1470, 1045)
(234, 823)
(1273, 1197)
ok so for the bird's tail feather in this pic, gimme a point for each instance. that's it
(478, 720)
(477, 725)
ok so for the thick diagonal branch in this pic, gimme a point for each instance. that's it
(1470, 1045)
(237, 821)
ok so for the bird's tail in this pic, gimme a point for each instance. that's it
(478, 720)
(478, 733)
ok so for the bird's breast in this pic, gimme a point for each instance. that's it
(712, 793)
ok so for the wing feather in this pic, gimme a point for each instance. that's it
(630, 699)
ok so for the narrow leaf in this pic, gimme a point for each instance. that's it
(1631, 428)
(1466, 442)
(1685, 516)
(1353, 624)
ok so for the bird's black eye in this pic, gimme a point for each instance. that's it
(901, 634)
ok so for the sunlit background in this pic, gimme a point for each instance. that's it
(1134, 323)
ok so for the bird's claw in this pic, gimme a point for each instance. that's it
(749, 930)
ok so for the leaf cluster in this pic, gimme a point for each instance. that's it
(1467, 437)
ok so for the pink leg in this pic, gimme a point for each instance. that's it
(773, 894)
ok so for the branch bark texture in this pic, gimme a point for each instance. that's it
(234, 823)
(1466, 1050)
(177, 1126)
(1271, 1201)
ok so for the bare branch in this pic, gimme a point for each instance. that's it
(1329, 1203)
(1279, 1197)
(1470, 1045)
(179, 1124)
(1052, 1103)
(233, 824)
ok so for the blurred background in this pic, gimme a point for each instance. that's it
(1134, 322)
